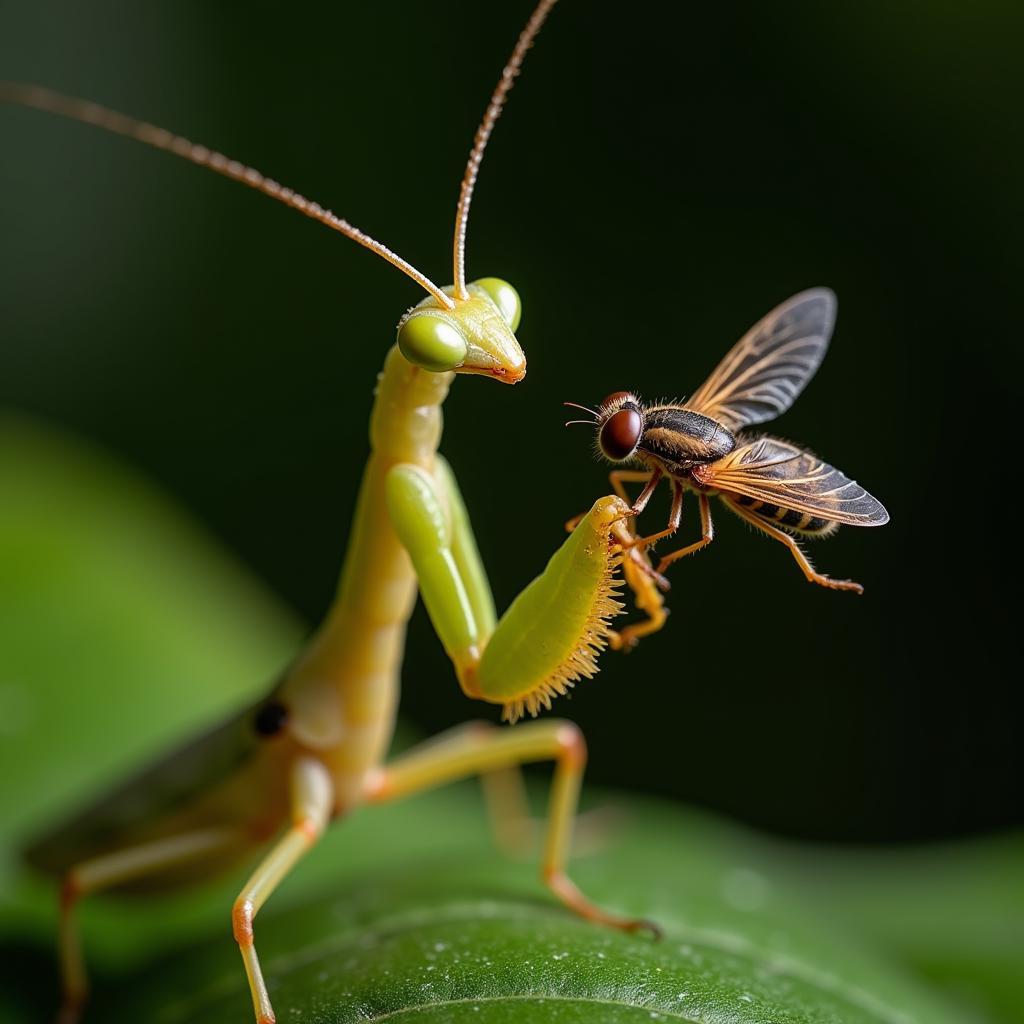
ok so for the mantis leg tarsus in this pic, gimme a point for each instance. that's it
(477, 752)
(312, 797)
(106, 872)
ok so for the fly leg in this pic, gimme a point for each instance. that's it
(707, 536)
(647, 586)
(477, 752)
(801, 559)
(618, 478)
(674, 519)
(108, 871)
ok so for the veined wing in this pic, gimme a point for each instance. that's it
(776, 471)
(769, 366)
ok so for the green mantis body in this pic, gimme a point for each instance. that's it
(275, 775)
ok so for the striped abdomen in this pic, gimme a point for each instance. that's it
(789, 519)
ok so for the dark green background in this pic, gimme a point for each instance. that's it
(663, 176)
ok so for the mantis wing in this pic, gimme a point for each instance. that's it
(164, 798)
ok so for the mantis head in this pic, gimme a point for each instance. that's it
(474, 335)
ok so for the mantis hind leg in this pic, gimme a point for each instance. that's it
(794, 549)
(516, 831)
(109, 871)
(504, 788)
(312, 796)
(478, 752)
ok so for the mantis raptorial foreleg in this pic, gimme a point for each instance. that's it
(547, 638)
(477, 752)
(638, 572)
(109, 871)
(551, 633)
(312, 797)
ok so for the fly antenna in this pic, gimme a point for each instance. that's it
(483, 134)
(91, 113)
(585, 408)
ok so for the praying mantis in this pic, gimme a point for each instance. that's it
(274, 776)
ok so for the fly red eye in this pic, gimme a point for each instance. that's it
(621, 434)
(614, 397)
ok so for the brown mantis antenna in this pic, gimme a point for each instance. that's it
(483, 133)
(91, 113)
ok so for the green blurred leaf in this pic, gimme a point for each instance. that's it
(953, 912)
(122, 626)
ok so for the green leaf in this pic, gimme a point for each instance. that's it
(469, 935)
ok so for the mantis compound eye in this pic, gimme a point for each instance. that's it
(505, 297)
(621, 434)
(429, 341)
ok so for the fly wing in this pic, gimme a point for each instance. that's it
(769, 366)
(778, 472)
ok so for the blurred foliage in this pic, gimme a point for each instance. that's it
(413, 908)
(122, 626)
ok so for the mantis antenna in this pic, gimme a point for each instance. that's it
(483, 134)
(159, 138)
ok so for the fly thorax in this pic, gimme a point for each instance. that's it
(680, 438)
